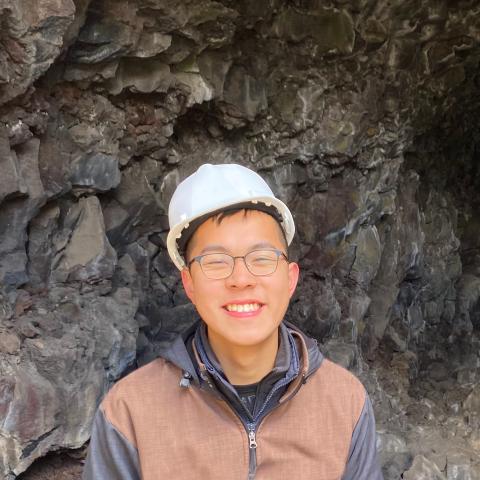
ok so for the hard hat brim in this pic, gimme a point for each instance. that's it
(287, 224)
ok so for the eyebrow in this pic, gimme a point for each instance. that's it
(222, 249)
(212, 248)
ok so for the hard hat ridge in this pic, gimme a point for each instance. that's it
(213, 189)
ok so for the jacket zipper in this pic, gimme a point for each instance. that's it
(250, 427)
(252, 432)
(252, 439)
(252, 450)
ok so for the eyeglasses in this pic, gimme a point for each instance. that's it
(218, 266)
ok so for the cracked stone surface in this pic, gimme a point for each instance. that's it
(361, 114)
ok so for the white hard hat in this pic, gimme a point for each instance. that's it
(213, 188)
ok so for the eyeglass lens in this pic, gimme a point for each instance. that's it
(258, 262)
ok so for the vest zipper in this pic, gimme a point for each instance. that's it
(250, 427)
(252, 434)
(251, 438)
(252, 457)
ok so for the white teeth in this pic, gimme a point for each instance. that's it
(244, 307)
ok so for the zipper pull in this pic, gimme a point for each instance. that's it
(252, 440)
(185, 381)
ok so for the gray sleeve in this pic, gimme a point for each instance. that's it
(362, 463)
(110, 456)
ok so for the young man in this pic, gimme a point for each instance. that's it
(242, 395)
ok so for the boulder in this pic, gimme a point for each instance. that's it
(83, 251)
(32, 40)
(423, 469)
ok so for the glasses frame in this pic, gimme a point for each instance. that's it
(199, 258)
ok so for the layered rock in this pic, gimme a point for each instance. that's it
(58, 355)
(361, 115)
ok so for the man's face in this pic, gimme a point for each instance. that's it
(217, 301)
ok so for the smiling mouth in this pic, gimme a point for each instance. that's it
(242, 307)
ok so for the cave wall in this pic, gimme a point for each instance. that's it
(362, 115)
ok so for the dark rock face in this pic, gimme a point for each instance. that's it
(363, 116)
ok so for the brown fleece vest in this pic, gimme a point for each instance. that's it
(185, 433)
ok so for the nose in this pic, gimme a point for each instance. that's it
(241, 276)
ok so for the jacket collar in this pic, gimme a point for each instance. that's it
(180, 352)
(283, 360)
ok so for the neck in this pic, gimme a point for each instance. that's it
(246, 364)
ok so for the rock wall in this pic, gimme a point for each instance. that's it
(363, 117)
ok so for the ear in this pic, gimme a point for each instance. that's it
(188, 284)
(293, 274)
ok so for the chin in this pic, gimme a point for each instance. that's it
(250, 339)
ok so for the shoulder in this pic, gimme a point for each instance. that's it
(339, 377)
(131, 401)
(339, 388)
(325, 372)
(142, 386)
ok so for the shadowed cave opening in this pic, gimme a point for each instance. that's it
(429, 354)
